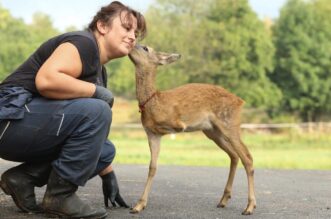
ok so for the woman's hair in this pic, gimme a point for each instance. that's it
(109, 12)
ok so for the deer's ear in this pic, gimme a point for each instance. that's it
(166, 58)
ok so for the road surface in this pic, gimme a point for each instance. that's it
(193, 192)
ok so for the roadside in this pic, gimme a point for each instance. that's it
(193, 192)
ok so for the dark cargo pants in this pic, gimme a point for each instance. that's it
(72, 134)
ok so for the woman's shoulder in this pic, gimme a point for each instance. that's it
(81, 34)
(84, 36)
(83, 40)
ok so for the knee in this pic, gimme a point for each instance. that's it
(251, 172)
(97, 110)
(108, 152)
(152, 171)
(234, 159)
(98, 106)
(107, 156)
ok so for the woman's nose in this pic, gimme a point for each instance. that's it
(132, 35)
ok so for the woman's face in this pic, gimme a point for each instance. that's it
(121, 36)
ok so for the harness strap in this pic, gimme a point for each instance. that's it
(142, 105)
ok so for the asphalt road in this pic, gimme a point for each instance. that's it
(193, 192)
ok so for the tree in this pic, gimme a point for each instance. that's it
(42, 28)
(19, 40)
(302, 36)
(174, 28)
(241, 53)
(222, 42)
(121, 78)
(14, 47)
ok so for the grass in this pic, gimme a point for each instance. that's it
(281, 151)
(285, 150)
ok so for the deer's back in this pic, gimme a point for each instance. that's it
(199, 101)
(202, 95)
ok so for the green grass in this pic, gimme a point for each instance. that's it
(281, 151)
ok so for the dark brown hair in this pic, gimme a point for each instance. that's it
(107, 13)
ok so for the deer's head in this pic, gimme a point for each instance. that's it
(143, 56)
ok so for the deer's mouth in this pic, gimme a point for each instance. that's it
(131, 57)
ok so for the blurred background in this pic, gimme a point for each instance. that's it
(274, 54)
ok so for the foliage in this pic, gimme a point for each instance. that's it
(303, 58)
(243, 51)
(281, 70)
(122, 77)
(19, 40)
(14, 38)
(222, 42)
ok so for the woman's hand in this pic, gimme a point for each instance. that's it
(104, 94)
(111, 191)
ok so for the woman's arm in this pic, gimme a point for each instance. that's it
(57, 77)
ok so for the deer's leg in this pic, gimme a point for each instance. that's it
(247, 161)
(217, 137)
(154, 146)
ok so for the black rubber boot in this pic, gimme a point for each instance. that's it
(20, 181)
(60, 200)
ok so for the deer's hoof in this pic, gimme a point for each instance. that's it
(136, 209)
(220, 205)
(247, 212)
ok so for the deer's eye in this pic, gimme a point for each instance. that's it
(145, 48)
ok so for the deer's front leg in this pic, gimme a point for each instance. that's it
(154, 146)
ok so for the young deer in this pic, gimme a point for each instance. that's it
(191, 107)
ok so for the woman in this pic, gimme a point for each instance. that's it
(55, 114)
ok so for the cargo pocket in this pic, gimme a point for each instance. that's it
(45, 124)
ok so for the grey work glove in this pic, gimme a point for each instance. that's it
(103, 93)
(111, 191)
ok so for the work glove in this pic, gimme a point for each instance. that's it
(103, 93)
(111, 191)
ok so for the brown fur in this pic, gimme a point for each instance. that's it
(191, 107)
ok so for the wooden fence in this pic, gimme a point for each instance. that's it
(303, 127)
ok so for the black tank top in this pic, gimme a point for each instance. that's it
(92, 71)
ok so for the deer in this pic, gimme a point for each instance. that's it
(187, 108)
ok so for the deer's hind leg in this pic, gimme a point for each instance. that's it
(233, 136)
(222, 142)
(247, 160)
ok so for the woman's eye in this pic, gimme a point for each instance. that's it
(126, 27)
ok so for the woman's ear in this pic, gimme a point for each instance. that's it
(102, 27)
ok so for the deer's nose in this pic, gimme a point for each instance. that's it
(138, 46)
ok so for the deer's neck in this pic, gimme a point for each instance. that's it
(145, 83)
